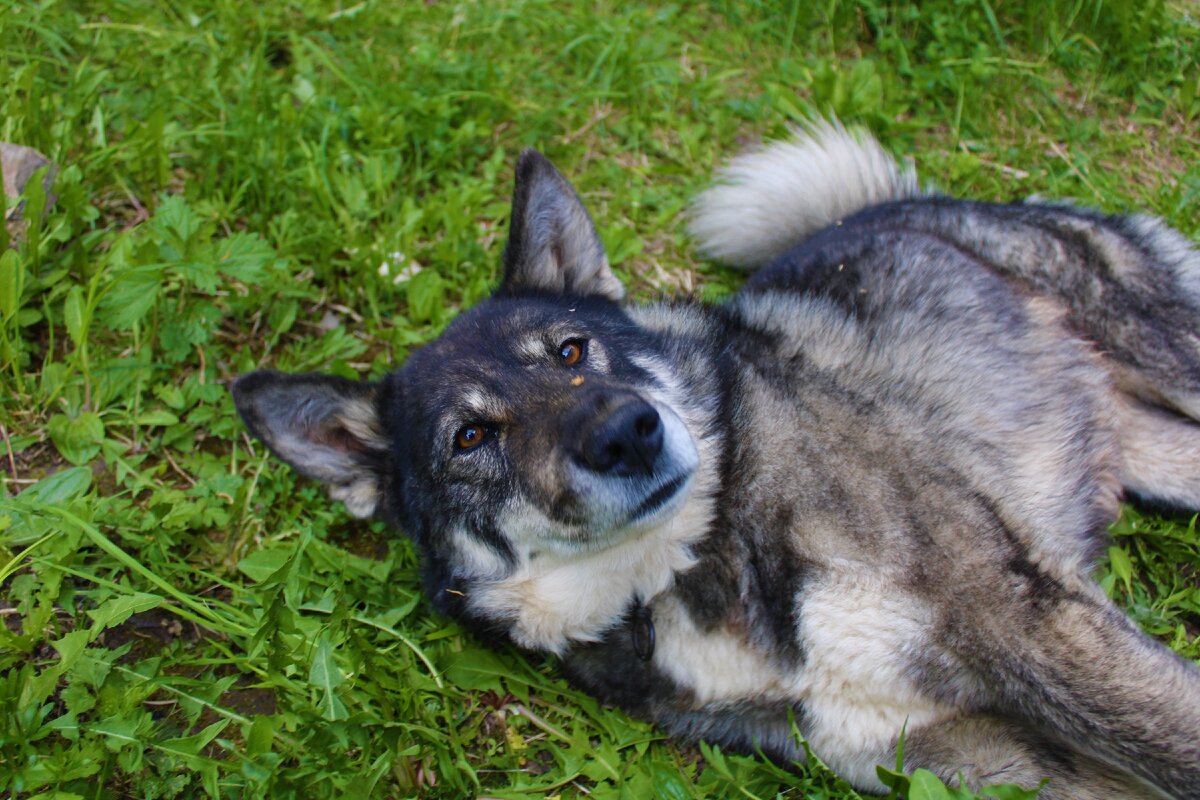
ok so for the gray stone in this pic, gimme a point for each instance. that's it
(19, 163)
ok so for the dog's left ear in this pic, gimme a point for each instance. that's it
(328, 428)
(552, 244)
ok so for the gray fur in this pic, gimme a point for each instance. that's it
(869, 493)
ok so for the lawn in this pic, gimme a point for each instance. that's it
(307, 185)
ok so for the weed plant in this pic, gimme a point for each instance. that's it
(320, 185)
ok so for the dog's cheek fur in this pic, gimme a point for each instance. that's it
(450, 521)
(462, 526)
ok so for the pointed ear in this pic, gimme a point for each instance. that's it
(552, 244)
(328, 428)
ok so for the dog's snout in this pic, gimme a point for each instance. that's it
(626, 442)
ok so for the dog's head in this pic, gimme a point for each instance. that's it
(537, 425)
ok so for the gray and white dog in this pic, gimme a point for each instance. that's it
(866, 492)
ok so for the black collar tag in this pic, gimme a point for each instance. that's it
(641, 632)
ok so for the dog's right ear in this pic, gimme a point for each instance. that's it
(328, 428)
(552, 245)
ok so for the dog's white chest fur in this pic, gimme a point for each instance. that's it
(553, 601)
(856, 698)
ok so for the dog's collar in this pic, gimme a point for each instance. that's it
(641, 631)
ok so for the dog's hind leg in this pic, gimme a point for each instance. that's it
(1071, 664)
(1161, 452)
(978, 750)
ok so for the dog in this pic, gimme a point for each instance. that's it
(864, 494)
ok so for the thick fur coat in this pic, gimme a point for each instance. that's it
(864, 494)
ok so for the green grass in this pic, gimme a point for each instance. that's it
(246, 185)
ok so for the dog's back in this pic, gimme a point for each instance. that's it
(973, 385)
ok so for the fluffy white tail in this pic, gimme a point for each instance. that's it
(766, 201)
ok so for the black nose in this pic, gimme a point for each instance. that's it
(626, 442)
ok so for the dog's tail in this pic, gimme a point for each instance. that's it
(768, 200)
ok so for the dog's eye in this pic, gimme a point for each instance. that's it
(572, 351)
(469, 436)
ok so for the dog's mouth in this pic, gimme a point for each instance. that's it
(659, 499)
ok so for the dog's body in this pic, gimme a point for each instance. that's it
(867, 490)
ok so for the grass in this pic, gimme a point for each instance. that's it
(307, 185)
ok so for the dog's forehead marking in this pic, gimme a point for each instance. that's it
(474, 400)
(531, 348)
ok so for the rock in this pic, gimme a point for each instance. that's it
(19, 163)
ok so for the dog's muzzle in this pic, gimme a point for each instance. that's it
(630, 463)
